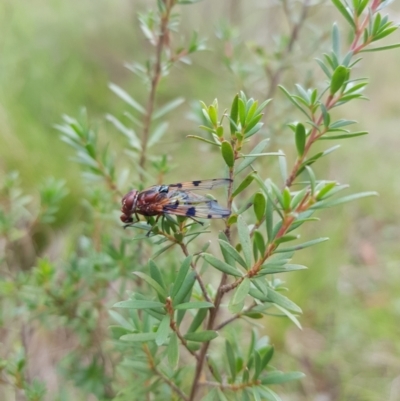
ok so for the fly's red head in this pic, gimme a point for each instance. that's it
(128, 206)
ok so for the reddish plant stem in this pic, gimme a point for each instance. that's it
(198, 277)
(163, 39)
(164, 378)
(218, 298)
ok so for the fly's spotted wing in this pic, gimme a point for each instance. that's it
(183, 203)
(200, 184)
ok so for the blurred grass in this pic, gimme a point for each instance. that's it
(58, 56)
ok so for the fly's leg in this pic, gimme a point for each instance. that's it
(132, 222)
(197, 221)
(152, 227)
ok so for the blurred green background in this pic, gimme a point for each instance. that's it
(57, 56)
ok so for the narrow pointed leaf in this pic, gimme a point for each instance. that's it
(138, 304)
(300, 137)
(259, 205)
(173, 350)
(181, 276)
(126, 98)
(139, 337)
(231, 359)
(163, 330)
(280, 377)
(230, 250)
(290, 315)
(245, 241)
(185, 288)
(194, 305)
(249, 160)
(241, 291)
(227, 153)
(283, 301)
(234, 114)
(222, 266)
(153, 283)
(244, 184)
(173, 104)
(303, 245)
(201, 336)
(198, 320)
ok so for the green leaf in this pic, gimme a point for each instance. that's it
(198, 320)
(269, 220)
(180, 277)
(286, 238)
(339, 77)
(249, 160)
(283, 166)
(138, 304)
(235, 308)
(257, 365)
(244, 184)
(194, 305)
(344, 11)
(286, 199)
(156, 275)
(199, 138)
(245, 241)
(326, 188)
(153, 283)
(291, 98)
(382, 48)
(139, 337)
(259, 242)
(163, 330)
(212, 113)
(345, 199)
(343, 136)
(251, 124)
(326, 116)
(280, 377)
(227, 153)
(283, 301)
(173, 104)
(201, 336)
(222, 266)
(267, 357)
(340, 123)
(185, 288)
(297, 198)
(274, 269)
(300, 137)
(242, 112)
(231, 359)
(127, 98)
(259, 205)
(130, 134)
(312, 179)
(268, 394)
(173, 350)
(290, 315)
(234, 114)
(336, 40)
(241, 292)
(324, 68)
(121, 320)
(231, 251)
(214, 370)
(157, 134)
(303, 245)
